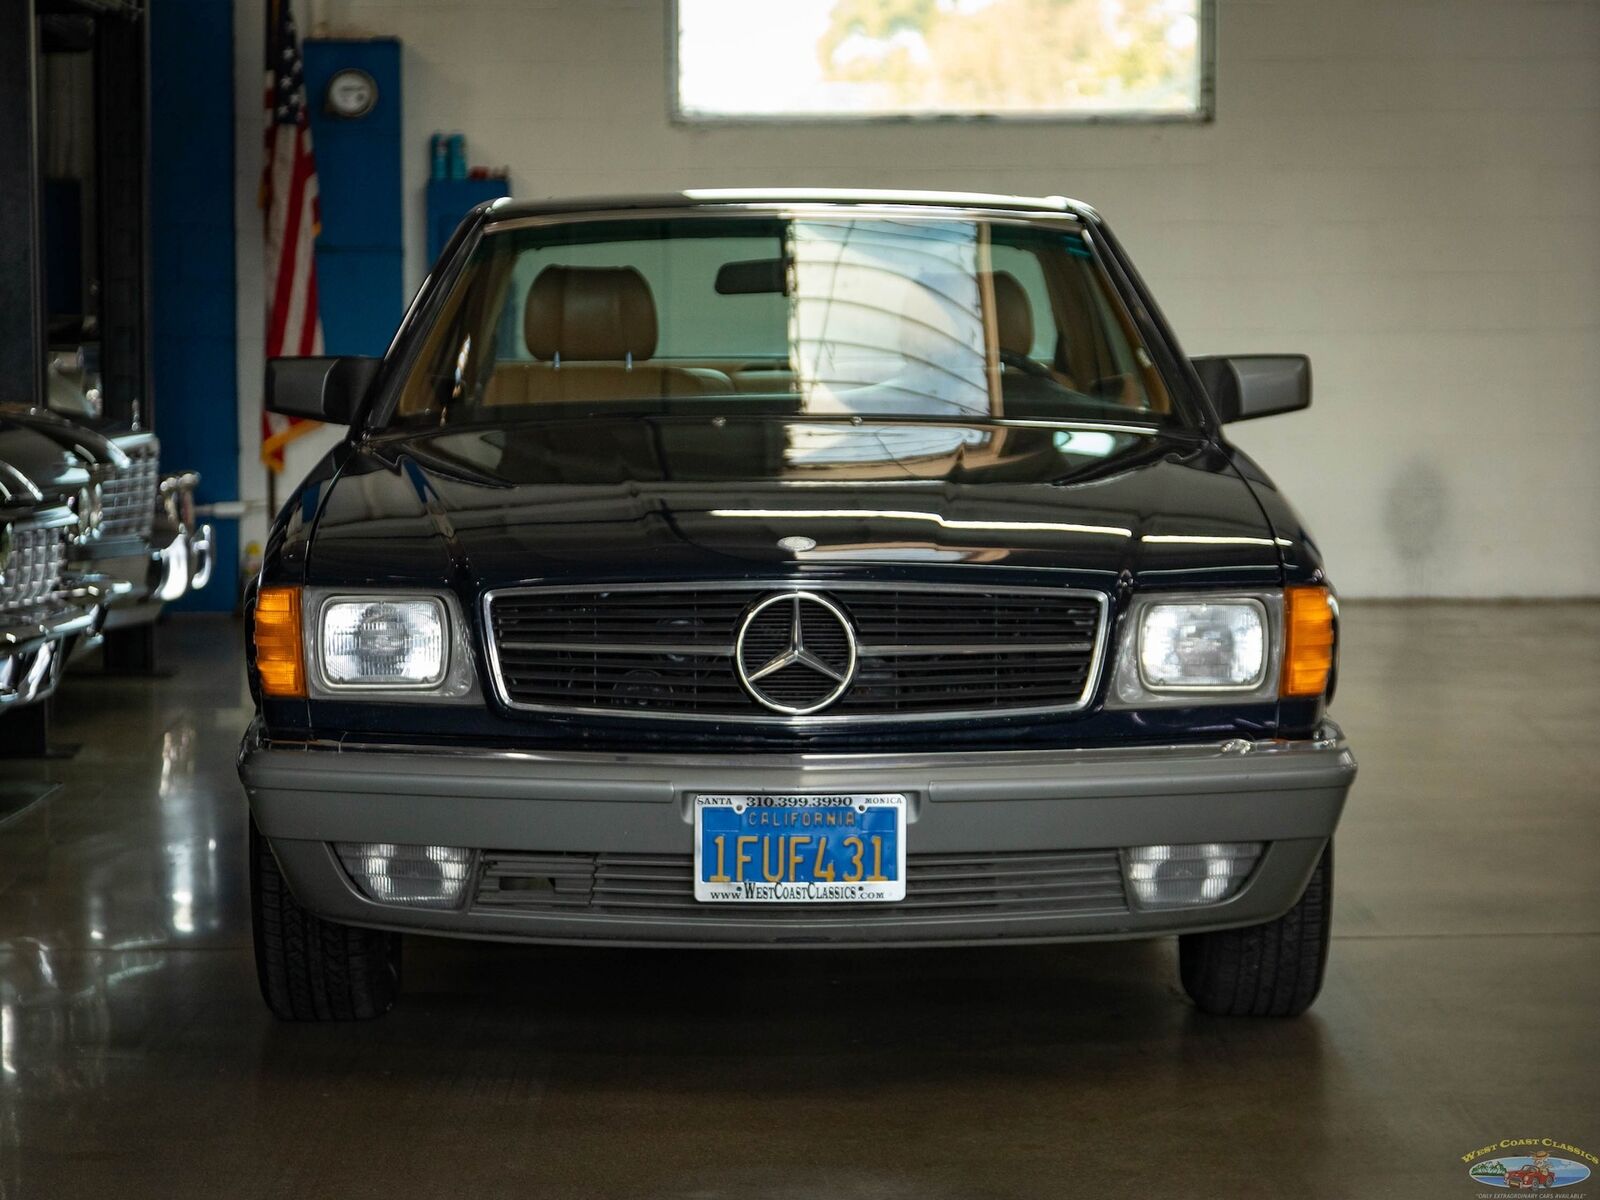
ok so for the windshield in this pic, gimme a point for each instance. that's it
(829, 316)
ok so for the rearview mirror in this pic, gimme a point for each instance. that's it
(753, 277)
(1243, 386)
(319, 389)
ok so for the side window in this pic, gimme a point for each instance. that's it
(1080, 330)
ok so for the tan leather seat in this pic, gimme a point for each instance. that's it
(593, 331)
(763, 380)
(1013, 314)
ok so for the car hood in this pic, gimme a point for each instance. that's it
(643, 498)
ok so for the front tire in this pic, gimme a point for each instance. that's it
(311, 969)
(1270, 970)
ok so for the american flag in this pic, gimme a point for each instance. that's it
(289, 198)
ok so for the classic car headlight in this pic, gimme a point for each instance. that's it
(400, 646)
(1193, 645)
(1198, 648)
(391, 646)
(390, 643)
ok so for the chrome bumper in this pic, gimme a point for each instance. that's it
(305, 796)
(32, 652)
(185, 563)
(170, 562)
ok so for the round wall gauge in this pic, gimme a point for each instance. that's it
(351, 93)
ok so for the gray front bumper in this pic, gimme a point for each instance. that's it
(1285, 793)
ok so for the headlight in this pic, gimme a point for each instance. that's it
(397, 647)
(1203, 645)
(1196, 648)
(384, 643)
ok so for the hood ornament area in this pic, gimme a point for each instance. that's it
(797, 544)
(795, 653)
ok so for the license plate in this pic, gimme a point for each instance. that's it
(800, 849)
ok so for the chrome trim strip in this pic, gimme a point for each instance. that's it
(1017, 647)
(1074, 424)
(699, 649)
(808, 209)
(36, 626)
(722, 650)
(1329, 737)
(778, 585)
(843, 588)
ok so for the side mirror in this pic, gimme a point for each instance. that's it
(319, 389)
(1244, 386)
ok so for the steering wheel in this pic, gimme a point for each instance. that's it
(1025, 364)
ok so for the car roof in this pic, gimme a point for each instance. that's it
(844, 197)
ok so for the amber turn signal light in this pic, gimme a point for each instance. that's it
(1308, 646)
(279, 659)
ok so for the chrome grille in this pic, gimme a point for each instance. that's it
(1033, 883)
(128, 495)
(32, 573)
(924, 651)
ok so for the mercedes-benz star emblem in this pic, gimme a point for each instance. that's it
(795, 653)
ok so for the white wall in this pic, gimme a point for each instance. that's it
(1407, 190)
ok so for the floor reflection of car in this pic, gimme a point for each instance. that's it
(790, 569)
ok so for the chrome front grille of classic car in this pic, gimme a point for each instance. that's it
(921, 651)
(30, 575)
(1044, 882)
(128, 494)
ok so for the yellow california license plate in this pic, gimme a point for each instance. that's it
(800, 849)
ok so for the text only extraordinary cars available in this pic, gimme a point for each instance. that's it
(783, 569)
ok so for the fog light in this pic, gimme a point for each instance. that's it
(417, 876)
(1186, 876)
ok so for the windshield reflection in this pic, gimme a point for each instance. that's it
(886, 317)
(912, 317)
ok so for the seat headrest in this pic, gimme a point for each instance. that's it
(1013, 314)
(590, 314)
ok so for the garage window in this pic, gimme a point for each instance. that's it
(807, 60)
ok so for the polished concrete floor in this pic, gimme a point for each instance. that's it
(1462, 1004)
